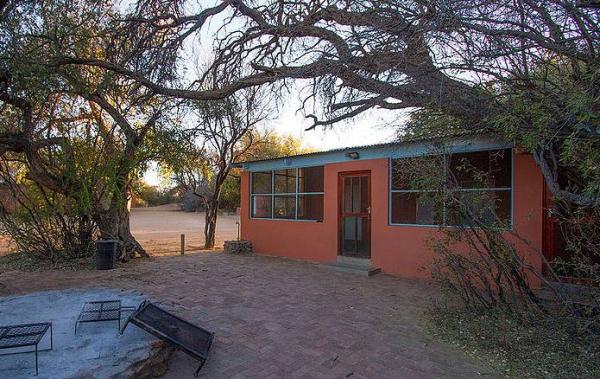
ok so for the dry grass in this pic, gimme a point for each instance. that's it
(28, 262)
(547, 348)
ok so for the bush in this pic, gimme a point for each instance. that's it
(230, 194)
(490, 310)
(152, 196)
(191, 202)
(47, 226)
(489, 305)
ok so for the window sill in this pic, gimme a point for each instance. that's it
(508, 229)
(285, 219)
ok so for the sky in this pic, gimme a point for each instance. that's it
(372, 127)
(375, 127)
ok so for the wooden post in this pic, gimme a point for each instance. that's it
(182, 244)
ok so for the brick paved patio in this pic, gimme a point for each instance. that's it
(281, 318)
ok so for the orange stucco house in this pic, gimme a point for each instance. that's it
(347, 206)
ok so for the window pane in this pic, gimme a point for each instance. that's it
(310, 207)
(414, 208)
(285, 181)
(284, 207)
(411, 173)
(364, 193)
(356, 194)
(351, 233)
(261, 206)
(488, 207)
(348, 194)
(311, 179)
(483, 169)
(400, 179)
(261, 182)
(363, 238)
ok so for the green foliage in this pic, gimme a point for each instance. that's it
(151, 196)
(270, 144)
(425, 124)
(47, 226)
(90, 133)
(489, 307)
(230, 194)
(559, 112)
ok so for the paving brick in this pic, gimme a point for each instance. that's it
(277, 318)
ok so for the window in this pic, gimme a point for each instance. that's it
(288, 194)
(480, 179)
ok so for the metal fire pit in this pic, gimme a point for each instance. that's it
(24, 335)
(193, 340)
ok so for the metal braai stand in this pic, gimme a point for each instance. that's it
(98, 311)
(191, 339)
(14, 336)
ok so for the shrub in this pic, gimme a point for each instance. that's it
(47, 226)
(191, 202)
(489, 306)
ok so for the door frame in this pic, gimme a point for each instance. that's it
(340, 191)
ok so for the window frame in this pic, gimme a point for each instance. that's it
(296, 195)
(444, 224)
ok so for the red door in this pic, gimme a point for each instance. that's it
(355, 214)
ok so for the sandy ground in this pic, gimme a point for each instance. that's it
(158, 229)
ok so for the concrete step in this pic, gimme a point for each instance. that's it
(364, 262)
(358, 269)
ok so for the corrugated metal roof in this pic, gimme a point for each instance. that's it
(366, 147)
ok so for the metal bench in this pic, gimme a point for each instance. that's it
(14, 336)
(191, 339)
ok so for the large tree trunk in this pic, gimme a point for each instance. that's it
(131, 246)
(212, 209)
(114, 224)
(210, 223)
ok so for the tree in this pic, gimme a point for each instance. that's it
(223, 134)
(463, 59)
(265, 144)
(269, 144)
(79, 132)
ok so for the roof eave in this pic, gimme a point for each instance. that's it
(387, 150)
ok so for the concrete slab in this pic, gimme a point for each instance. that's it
(352, 268)
(98, 351)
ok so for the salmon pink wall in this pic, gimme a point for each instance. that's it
(398, 250)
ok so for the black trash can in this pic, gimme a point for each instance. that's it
(106, 254)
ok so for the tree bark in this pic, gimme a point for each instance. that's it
(210, 223)
(114, 224)
(131, 246)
